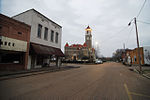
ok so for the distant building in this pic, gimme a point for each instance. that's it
(45, 39)
(125, 57)
(76, 52)
(14, 44)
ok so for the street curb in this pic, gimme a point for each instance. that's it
(28, 71)
(23, 72)
(136, 70)
(18, 75)
(146, 76)
(12, 76)
(141, 74)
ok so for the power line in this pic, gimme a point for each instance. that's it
(115, 34)
(143, 22)
(141, 9)
(126, 26)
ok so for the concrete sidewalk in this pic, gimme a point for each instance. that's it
(145, 70)
(4, 75)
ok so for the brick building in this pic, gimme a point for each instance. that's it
(14, 44)
(132, 56)
(77, 52)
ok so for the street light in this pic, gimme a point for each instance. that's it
(96, 43)
(96, 49)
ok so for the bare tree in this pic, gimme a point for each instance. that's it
(117, 55)
(97, 51)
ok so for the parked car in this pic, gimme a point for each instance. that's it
(98, 61)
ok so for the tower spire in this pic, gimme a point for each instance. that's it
(88, 28)
(88, 37)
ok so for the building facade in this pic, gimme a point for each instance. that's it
(45, 38)
(132, 57)
(79, 52)
(14, 44)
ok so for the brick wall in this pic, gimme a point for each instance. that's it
(134, 56)
(17, 30)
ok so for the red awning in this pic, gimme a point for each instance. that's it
(46, 50)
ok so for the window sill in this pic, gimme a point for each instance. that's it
(39, 37)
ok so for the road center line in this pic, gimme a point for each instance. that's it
(133, 93)
(128, 92)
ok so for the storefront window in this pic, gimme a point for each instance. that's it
(12, 58)
(39, 60)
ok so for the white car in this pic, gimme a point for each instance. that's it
(98, 61)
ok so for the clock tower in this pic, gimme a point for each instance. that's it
(88, 37)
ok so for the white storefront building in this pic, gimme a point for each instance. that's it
(45, 38)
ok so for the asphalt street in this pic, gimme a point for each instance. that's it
(108, 81)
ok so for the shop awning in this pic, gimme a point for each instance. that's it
(45, 50)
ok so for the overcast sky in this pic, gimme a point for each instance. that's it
(107, 18)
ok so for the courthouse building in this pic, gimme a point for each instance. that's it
(78, 52)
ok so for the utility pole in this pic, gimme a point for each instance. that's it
(137, 38)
